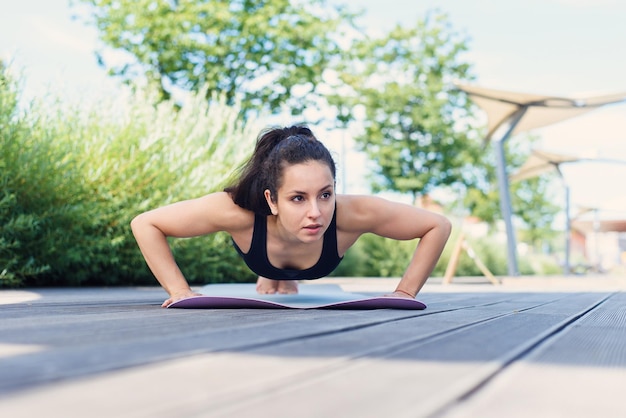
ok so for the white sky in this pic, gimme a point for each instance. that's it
(552, 47)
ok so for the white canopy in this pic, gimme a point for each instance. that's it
(541, 110)
(540, 162)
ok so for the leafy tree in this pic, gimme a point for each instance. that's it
(414, 124)
(531, 199)
(420, 131)
(269, 54)
(536, 211)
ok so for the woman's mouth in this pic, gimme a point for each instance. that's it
(313, 229)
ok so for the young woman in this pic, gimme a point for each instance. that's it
(287, 222)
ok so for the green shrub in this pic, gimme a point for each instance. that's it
(74, 176)
(493, 254)
(375, 256)
(31, 198)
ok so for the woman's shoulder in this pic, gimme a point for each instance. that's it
(358, 212)
(221, 207)
(360, 204)
(367, 213)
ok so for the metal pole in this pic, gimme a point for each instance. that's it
(596, 231)
(568, 230)
(505, 207)
(505, 198)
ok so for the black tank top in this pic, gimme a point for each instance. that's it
(257, 260)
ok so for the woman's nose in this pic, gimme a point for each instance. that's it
(314, 210)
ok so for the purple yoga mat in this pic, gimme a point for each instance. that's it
(310, 296)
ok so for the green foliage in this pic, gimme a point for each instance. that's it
(418, 129)
(375, 256)
(268, 54)
(492, 253)
(532, 200)
(534, 205)
(29, 197)
(386, 257)
(73, 178)
(414, 127)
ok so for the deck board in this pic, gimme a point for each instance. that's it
(468, 354)
(431, 371)
(579, 371)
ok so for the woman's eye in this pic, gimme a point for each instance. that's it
(297, 198)
(326, 195)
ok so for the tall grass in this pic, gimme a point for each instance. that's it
(72, 178)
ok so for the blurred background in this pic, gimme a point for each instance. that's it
(111, 108)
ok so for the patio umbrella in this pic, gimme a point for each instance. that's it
(540, 162)
(539, 110)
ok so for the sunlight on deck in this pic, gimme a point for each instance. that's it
(8, 297)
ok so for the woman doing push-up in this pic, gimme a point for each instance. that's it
(287, 222)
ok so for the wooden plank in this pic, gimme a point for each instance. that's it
(247, 373)
(580, 371)
(90, 336)
(365, 363)
(417, 378)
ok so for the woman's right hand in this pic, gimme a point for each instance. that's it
(179, 296)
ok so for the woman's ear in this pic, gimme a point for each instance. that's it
(270, 202)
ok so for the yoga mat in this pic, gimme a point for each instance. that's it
(310, 296)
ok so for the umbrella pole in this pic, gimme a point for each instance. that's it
(568, 231)
(505, 207)
(503, 182)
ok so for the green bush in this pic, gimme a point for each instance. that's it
(73, 178)
(373, 256)
(493, 254)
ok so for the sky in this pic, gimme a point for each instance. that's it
(568, 48)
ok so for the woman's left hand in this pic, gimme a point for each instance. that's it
(399, 294)
(179, 296)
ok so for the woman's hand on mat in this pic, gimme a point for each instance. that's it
(175, 297)
(400, 294)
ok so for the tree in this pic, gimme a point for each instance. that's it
(416, 126)
(267, 54)
(420, 131)
(533, 198)
(532, 202)
(535, 210)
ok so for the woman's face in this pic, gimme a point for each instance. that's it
(306, 200)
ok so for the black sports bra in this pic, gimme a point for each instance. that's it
(257, 260)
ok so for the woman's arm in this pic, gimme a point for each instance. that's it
(426, 255)
(401, 222)
(205, 215)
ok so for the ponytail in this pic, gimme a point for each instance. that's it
(274, 148)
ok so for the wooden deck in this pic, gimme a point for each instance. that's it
(539, 348)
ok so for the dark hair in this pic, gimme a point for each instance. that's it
(276, 148)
